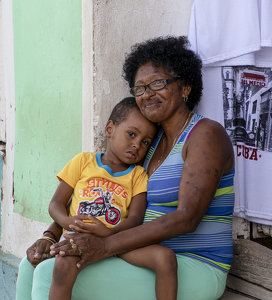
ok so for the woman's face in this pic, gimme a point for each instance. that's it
(159, 106)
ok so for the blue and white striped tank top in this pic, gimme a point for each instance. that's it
(212, 241)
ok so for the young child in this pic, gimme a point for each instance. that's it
(111, 190)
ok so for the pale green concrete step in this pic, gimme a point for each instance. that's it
(8, 275)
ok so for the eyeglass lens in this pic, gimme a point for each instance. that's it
(154, 86)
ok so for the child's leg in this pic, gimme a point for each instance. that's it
(163, 262)
(64, 276)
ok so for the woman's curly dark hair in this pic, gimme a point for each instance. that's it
(173, 55)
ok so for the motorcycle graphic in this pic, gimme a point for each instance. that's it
(100, 206)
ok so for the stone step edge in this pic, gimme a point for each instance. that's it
(9, 259)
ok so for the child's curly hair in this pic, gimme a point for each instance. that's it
(173, 55)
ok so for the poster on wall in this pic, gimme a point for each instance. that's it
(247, 107)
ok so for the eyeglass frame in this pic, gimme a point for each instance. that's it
(166, 81)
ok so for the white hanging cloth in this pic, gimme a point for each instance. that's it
(231, 32)
(234, 40)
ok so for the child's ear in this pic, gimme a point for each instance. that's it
(109, 128)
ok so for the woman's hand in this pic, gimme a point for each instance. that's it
(89, 245)
(38, 252)
(86, 245)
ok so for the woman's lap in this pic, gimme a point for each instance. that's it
(114, 279)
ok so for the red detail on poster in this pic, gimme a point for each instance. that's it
(254, 79)
(247, 152)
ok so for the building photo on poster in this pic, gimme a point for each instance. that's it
(247, 108)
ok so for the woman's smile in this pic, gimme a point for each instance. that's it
(152, 104)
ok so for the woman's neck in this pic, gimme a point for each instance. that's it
(176, 125)
(172, 131)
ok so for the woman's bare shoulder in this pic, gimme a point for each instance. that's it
(210, 136)
(209, 124)
(207, 129)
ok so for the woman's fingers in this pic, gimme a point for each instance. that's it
(81, 263)
(86, 245)
(30, 253)
(63, 246)
(69, 246)
(42, 246)
(38, 252)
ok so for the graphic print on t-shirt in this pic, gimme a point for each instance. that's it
(247, 99)
(100, 206)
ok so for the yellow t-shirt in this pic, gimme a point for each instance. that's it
(100, 192)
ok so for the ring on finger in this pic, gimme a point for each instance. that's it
(80, 253)
(74, 246)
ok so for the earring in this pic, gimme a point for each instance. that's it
(185, 99)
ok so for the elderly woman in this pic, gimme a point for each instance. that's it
(190, 193)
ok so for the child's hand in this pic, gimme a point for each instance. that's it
(67, 221)
(98, 228)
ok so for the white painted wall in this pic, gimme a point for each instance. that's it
(109, 28)
(2, 98)
(8, 94)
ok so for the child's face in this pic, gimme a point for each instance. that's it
(129, 141)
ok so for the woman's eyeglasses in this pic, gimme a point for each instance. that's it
(155, 85)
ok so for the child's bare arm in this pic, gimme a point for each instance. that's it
(135, 214)
(57, 206)
(135, 217)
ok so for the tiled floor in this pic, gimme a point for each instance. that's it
(228, 295)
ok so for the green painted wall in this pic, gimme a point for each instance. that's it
(48, 97)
